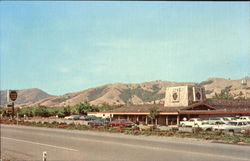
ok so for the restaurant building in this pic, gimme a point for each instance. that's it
(180, 102)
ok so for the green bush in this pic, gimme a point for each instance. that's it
(41, 111)
(197, 130)
(28, 111)
(246, 133)
(2, 110)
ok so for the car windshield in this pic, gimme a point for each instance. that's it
(232, 123)
(219, 123)
(205, 123)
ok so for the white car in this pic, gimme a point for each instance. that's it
(194, 122)
(215, 120)
(245, 118)
(206, 126)
(229, 118)
(232, 126)
(72, 117)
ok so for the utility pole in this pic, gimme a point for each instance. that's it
(244, 84)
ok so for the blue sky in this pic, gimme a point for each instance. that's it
(63, 47)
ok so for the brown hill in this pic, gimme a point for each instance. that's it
(215, 85)
(140, 93)
(25, 96)
(113, 94)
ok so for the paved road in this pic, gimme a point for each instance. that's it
(28, 143)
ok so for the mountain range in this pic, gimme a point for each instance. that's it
(119, 93)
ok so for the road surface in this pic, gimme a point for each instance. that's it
(28, 143)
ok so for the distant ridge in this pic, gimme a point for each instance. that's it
(25, 96)
(119, 93)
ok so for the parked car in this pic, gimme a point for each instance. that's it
(143, 127)
(215, 120)
(90, 117)
(246, 118)
(229, 118)
(192, 122)
(233, 126)
(98, 122)
(206, 126)
(121, 122)
(72, 117)
(82, 117)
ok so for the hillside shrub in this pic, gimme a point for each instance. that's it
(42, 111)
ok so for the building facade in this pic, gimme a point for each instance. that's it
(180, 102)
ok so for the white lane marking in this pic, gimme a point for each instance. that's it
(54, 146)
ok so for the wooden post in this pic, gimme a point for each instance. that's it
(17, 117)
(146, 120)
(13, 112)
(178, 120)
(167, 120)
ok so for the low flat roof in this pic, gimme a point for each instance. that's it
(216, 107)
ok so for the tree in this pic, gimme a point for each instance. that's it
(41, 111)
(28, 111)
(153, 114)
(66, 111)
(224, 94)
(83, 108)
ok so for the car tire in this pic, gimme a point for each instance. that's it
(231, 132)
(208, 129)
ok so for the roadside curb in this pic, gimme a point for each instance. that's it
(240, 143)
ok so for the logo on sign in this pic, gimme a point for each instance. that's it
(13, 95)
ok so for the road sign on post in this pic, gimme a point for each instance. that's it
(13, 97)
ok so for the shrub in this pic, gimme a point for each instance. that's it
(41, 111)
(207, 137)
(174, 129)
(135, 132)
(197, 130)
(62, 126)
(219, 132)
(246, 133)
(28, 111)
(170, 133)
(2, 110)
(55, 123)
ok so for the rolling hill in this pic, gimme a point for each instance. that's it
(118, 93)
(25, 96)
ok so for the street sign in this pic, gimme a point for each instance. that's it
(9, 105)
(8, 111)
(13, 95)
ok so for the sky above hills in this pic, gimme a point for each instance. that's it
(62, 47)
